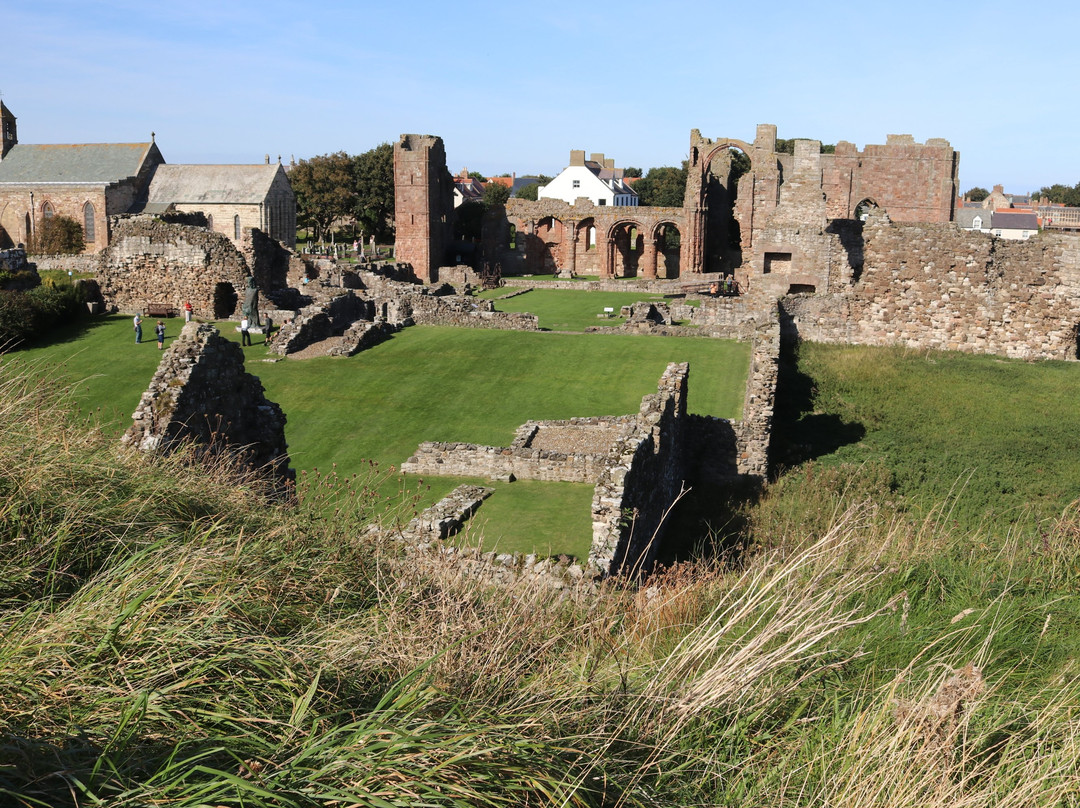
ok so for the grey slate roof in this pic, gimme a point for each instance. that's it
(1015, 221)
(73, 163)
(966, 216)
(211, 184)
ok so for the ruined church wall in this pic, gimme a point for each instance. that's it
(150, 261)
(937, 286)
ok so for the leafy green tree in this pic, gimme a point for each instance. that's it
(57, 235)
(977, 194)
(1062, 194)
(631, 171)
(325, 190)
(787, 146)
(662, 187)
(495, 194)
(476, 175)
(373, 175)
(530, 191)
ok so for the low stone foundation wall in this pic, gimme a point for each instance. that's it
(67, 263)
(643, 478)
(503, 463)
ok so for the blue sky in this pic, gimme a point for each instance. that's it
(513, 87)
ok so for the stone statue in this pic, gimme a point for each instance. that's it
(250, 308)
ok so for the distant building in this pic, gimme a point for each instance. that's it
(88, 182)
(973, 219)
(596, 179)
(91, 182)
(1018, 226)
(234, 198)
(467, 189)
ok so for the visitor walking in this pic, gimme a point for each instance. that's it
(187, 311)
(245, 335)
(159, 329)
(138, 328)
(269, 332)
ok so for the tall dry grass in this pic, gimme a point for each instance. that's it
(168, 638)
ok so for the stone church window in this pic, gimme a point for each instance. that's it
(210, 222)
(236, 227)
(88, 221)
(47, 211)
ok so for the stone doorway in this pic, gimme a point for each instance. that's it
(225, 300)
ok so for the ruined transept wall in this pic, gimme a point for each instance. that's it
(938, 286)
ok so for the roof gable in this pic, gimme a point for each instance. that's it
(212, 184)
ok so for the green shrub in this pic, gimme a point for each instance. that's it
(26, 316)
(57, 235)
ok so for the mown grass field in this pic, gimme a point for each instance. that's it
(570, 310)
(445, 384)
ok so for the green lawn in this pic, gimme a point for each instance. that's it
(428, 383)
(569, 309)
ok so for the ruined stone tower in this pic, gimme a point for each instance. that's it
(423, 203)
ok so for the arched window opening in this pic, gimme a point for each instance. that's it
(591, 243)
(210, 222)
(47, 211)
(88, 222)
(236, 228)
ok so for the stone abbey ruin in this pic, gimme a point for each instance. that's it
(851, 246)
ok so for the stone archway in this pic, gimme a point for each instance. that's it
(626, 242)
(667, 248)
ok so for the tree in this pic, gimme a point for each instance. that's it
(662, 187)
(373, 175)
(530, 191)
(58, 235)
(631, 171)
(977, 194)
(1062, 194)
(325, 190)
(495, 193)
(476, 175)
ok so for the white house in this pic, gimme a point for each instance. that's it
(973, 219)
(1019, 226)
(596, 179)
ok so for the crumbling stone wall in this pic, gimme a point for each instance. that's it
(201, 396)
(643, 479)
(937, 286)
(152, 261)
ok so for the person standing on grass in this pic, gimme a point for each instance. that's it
(269, 329)
(187, 311)
(245, 335)
(138, 328)
(159, 329)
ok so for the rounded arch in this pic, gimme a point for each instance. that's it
(724, 145)
(666, 237)
(627, 243)
(863, 208)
